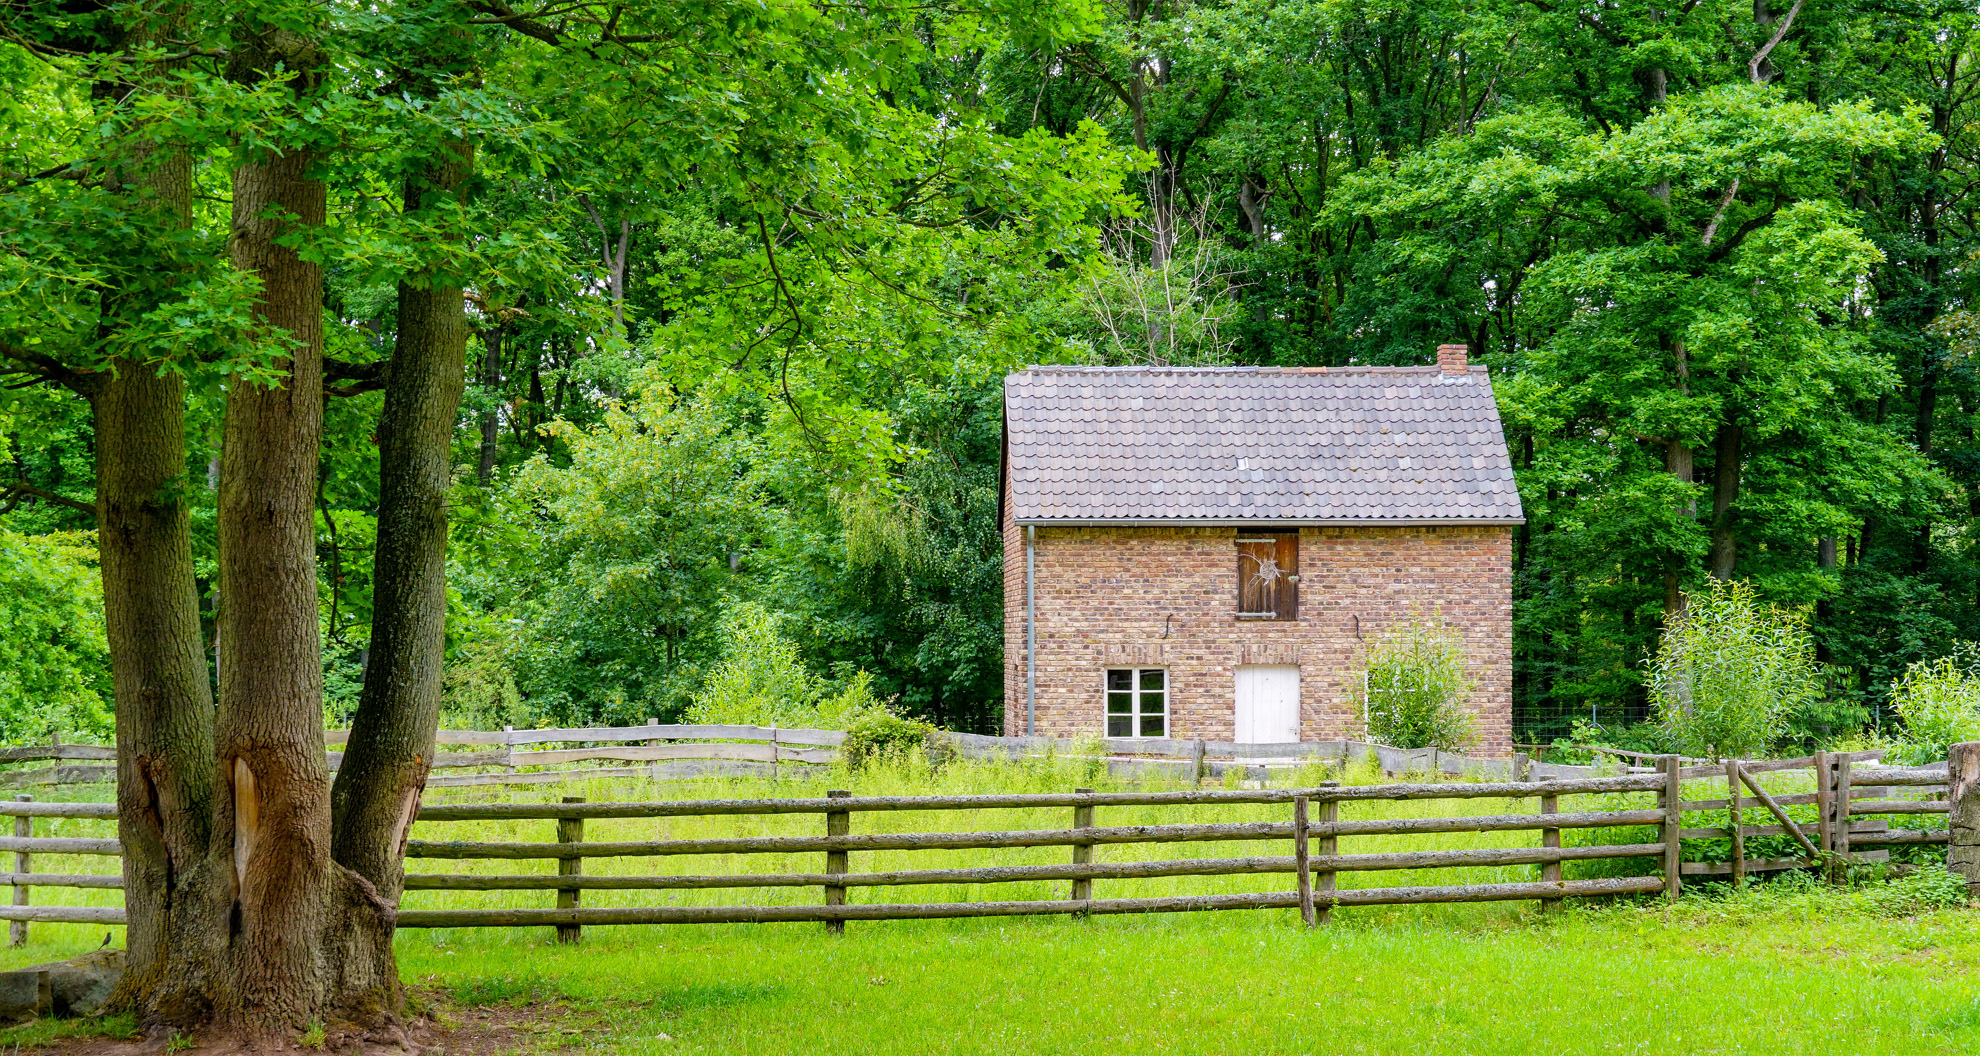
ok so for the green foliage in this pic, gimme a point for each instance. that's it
(1939, 701)
(761, 681)
(1922, 891)
(628, 557)
(880, 737)
(1414, 688)
(1647, 737)
(1730, 670)
(54, 664)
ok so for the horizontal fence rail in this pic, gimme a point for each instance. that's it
(1854, 802)
(675, 751)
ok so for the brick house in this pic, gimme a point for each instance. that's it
(1203, 552)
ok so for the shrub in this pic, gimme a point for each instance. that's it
(1929, 888)
(1414, 689)
(54, 663)
(762, 681)
(1940, 704)
(879, 737)
(1730, 670)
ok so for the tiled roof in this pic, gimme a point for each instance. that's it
(1259, 444)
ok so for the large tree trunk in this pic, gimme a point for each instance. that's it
(164, 703)
(164, 700)
(269, 730)
(391, 746)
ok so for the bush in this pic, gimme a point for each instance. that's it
(1414, 689)
(761, 681)
(1931, 887)
(54, 663)
(1940, 703)
(1729, 671)
(879, 737)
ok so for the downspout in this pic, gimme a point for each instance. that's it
(1030, 630)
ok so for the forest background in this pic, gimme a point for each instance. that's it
(743, 290)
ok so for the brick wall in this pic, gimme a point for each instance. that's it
(1165, 597)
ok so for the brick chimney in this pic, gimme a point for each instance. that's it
(1451, 358)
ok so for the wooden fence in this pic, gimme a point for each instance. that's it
(527, 757)
(1312, 822)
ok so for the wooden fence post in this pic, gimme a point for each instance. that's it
(1738, 831)
(1672, 800)
(570, 830)
(1551, 871)
(1301, 863)
(1323, 880)
(837, 823)
(17, 930)
(1963, 816)
(1197, 754)
(1842, 816)
(1825, 822)
(1082, 853)
(1522, 767)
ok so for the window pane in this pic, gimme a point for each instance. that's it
(1151, 725)
(1120, 703)
(1152, 679)
(1120, 726)
(1120, 679)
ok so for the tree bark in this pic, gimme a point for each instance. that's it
(491, 380)
(161, 687)
(1678, 461)
(272, 825)
(391, 747)
(1725, 491)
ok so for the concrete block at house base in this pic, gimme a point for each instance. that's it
(79, 986)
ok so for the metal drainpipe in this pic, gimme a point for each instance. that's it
(1030, 630)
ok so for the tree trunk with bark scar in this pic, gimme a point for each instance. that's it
(391, 747)
(1725, 491)
(268, 734)
(164, 701)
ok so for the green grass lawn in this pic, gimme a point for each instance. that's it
(1749, 976)
(1781, 968)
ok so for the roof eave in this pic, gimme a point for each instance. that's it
(1241, 522)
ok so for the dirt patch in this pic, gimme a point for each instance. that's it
(533, 1028)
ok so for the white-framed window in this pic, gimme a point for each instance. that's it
(1137, 702)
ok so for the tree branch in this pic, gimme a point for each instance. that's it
(501, 15)
(364, 377)
(21, 489)
(1712, 228)
(1753, 66)
(46, 368)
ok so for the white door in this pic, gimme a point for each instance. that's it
(1267, 703)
